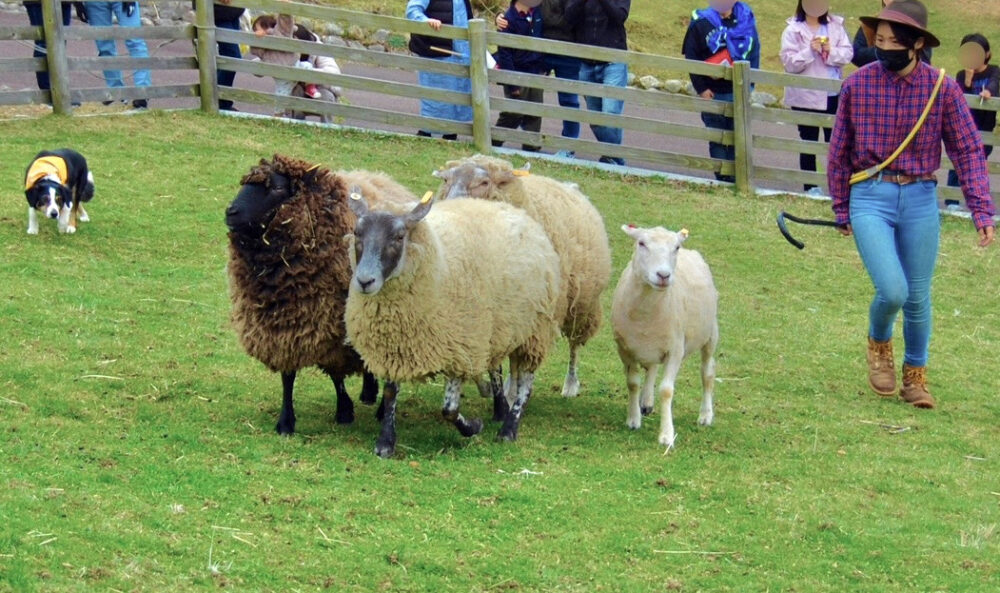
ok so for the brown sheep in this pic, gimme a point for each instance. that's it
(289, 272)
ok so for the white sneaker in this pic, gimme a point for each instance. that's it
(566, 154)
(815, 191)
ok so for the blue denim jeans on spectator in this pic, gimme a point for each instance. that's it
(35, 18)
(99, 15)
(613, 74)
(229, 50)
(717, 121)
(566, 67)
(896, 229)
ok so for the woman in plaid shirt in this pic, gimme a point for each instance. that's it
(894, 215)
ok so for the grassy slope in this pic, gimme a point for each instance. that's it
(658, 27)
(137, 439)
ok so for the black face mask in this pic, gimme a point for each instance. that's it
(893, 59)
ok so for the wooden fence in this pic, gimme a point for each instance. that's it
(754, 130)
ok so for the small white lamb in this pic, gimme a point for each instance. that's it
(664, 308)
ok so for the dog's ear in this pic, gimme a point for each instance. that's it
(32, 195)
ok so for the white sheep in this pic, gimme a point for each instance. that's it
(451, 291)
(574, 226)
(664, 308)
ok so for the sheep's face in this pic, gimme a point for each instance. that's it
(380, 240)
(654, 259)
(256, 204)
(465, 180)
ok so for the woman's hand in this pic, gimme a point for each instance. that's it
(845, 230)
(985, 236)
(435, 24)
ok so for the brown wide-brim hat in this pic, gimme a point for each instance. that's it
(911, 13)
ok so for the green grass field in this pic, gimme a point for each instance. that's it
(137, 450)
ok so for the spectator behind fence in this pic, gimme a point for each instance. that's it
(320, 64)
(126, 14)
(34, 8)
(723, 33)
(281, 26)
(226, 17)
(864, 47)
(555, 27)
(815, 44)
(523, 17)
(602, 23)
(436, 13)
(979, 77)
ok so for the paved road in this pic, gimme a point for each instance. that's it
(94, 79)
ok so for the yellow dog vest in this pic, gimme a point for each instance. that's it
(46, 165)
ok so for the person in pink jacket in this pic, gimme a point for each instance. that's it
(816, 44)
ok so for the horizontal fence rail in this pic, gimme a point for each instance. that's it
(667, 117)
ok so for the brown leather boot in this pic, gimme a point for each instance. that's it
(915, 387)
(881, 367)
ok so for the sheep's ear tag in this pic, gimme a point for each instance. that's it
(684, 233)
(427, 197)
(520, 172)
(313, 168)
(355, 195)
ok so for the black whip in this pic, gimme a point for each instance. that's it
(812, 221)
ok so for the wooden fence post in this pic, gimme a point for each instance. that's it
(742, 128)
(55, 56)
(480, 86)
(206, 50)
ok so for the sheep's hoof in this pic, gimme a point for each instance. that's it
(646, 410)
(705, 419)
(634, 424)
(344, 416)
(470, 427)
(285, 428)
(571, 388)
(668, 441)
(385, 450)
(507, 435)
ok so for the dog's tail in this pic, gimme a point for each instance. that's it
(88, 188)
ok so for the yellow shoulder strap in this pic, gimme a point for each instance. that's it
(873, 171)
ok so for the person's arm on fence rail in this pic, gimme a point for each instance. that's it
(839, 167)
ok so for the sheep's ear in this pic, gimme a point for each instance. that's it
(420, 211)
(631, 230)
(357, 202)
(683, 235)
(309, 177)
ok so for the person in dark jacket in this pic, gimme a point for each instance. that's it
(34, 8)
(226, 17)
(864, 49)
(555, 27)
(602, 23)
(523, 17)
(978, 77)
(725, 32)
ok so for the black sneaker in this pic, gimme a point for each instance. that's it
(140, 104)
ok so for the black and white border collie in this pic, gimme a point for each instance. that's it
(57, 183)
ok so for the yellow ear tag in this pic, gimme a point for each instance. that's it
(684, 233)
(520, 173)
(427, 197)
(313, 168)
(355, 195)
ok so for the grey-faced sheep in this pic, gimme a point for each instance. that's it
(574, 226)
(451, 291)
(289, 272)
(664, 308)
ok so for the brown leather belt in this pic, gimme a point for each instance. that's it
(902, 179)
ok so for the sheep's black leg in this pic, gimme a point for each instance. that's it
(508, 432)
(286, 421)
(385, 444)
(369, 388)
(345, 407)
(380, 412)
(500, 406)
(452, 395)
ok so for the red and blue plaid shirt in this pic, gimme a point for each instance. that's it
(878, 108)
